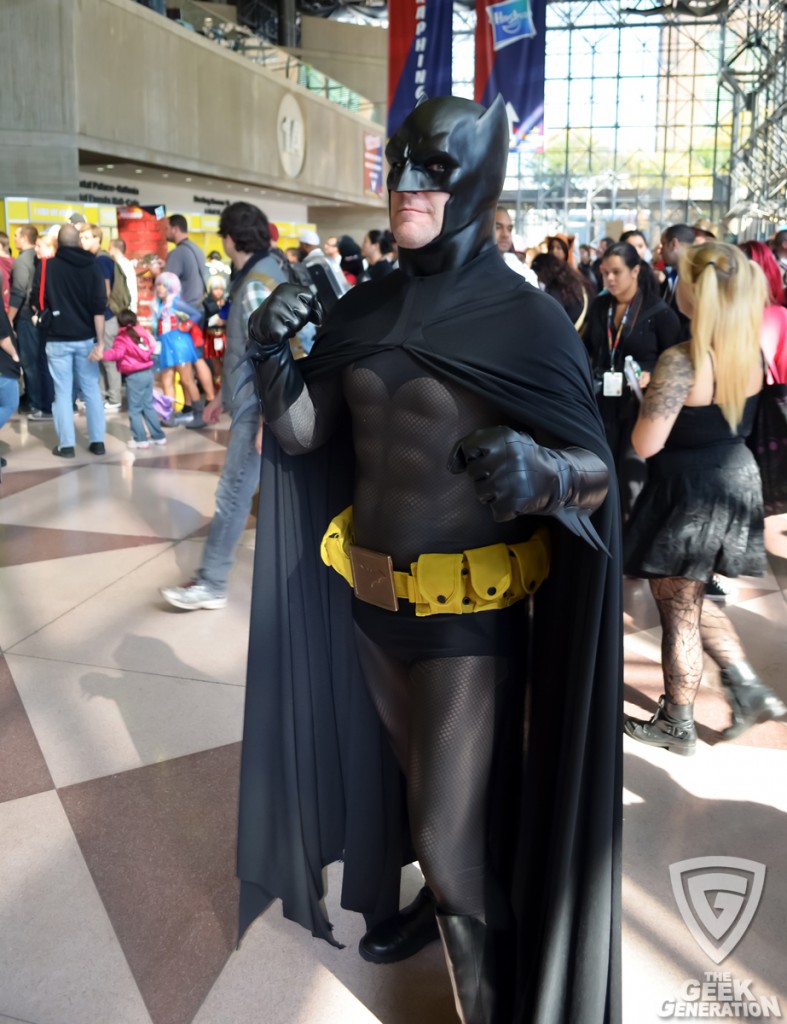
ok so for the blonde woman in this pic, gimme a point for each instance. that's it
(701, 510)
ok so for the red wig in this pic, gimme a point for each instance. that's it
(760, 254)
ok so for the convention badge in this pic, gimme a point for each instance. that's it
(613, 384)
(218, 342)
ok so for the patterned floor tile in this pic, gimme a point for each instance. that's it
(60, 961)
(160, 845)
(23, 770)
(128, 625)
(35, 594)
(91, 722)
(20, 545)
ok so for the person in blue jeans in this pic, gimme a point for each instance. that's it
(132, 351)
(75, 296)
(246, 234)
(9, 372)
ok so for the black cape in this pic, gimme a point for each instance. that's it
(318, 780)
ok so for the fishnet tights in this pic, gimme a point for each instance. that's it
(440, 716)
(690, 624)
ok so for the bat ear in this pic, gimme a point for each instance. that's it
(421, 99)
(495, 116)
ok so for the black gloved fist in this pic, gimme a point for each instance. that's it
(286, 310)
(515, 476)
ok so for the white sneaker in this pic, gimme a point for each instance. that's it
(158, 440)
(111, 406)
(192, 596)
(138, 444)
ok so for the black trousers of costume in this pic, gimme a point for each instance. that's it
(444, 716)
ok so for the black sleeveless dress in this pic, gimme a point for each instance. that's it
(701, 511)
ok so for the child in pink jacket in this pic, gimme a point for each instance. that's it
(132, 350)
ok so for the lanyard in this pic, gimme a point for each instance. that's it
(615, 342)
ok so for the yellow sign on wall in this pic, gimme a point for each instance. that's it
(52, 213)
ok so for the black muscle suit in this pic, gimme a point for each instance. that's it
(443, 684)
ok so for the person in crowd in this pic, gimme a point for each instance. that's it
(173, 319)
(310, 253)
(46, 244)
(293, 254)
(9, 373)
(29, 340)
(674, 242)
(561, 246)
(75, 298)
(133, 350)
(586, 257)
(701, 510)
(504, 236)
(91, 237)
(352, 262)
(566, 285)
(773, 339)
(779, 247)
(117, 250)
(186, 261)
(246, 234)
(636, 238)
(397, 409)
(331, 249)
(216, 310)
(216, 265)
(704, 231)
(376, 249)
(601, 248)
(629, 320)
(6, 266)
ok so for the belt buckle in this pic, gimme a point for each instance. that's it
(373, 580)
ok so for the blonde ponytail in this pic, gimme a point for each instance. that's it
(729, 298)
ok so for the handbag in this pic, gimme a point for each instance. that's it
(768, 442)
(44, 319)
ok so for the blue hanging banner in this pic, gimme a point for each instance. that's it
(510, 58)
(419, 54)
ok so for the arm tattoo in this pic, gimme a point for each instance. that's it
(672, 381)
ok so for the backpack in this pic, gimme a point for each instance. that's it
(119, 295)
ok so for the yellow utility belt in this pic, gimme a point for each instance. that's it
(477, 580)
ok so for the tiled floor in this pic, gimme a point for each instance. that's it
(120, 721)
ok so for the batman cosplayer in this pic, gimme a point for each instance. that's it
(441, 451)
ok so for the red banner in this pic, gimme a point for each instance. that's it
(145, 236)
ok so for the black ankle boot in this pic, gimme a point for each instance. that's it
(469, 953)
(750, 699)
(403, 935)
(672, 727)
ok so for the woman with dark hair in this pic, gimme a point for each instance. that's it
(773, 336)
(637, 239)
(566, 285)
(629, 319)
(376, 249)
(351, 262)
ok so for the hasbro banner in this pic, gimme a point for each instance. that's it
(510, 59)
(419, 54)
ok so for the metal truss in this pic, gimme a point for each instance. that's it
(659, 113)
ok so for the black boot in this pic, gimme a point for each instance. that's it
(469, 954)
(672, 727)
(403, 935)
(750, 699)
(197, 423)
